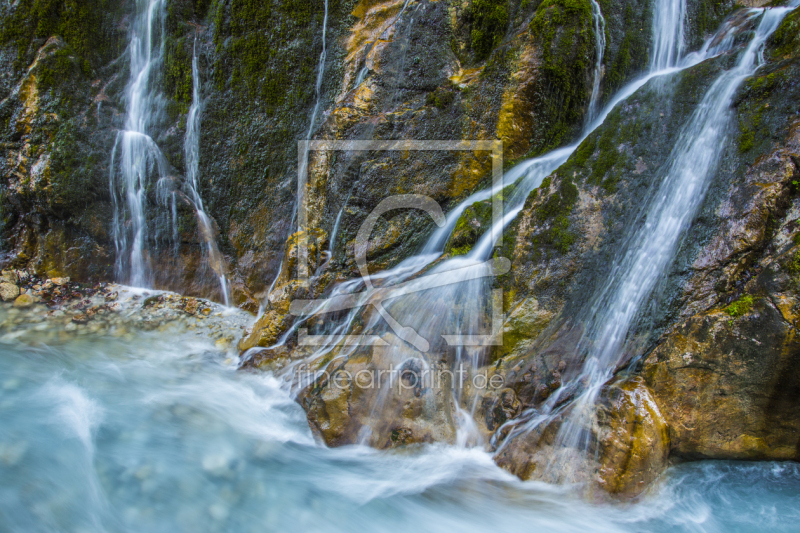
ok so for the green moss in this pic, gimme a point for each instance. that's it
(598, 157)
(72, 180)
(754, 104)
(87, 26)
(746, 140)
(440, 98)
(555, 213)
(472, 223)
(182, 12)
(178, 71)
(632, 54)
(56, 68)
(740, 307)
(709, 15)
(499, 66)
(793, 264)
(259, 63)
(786, 39)
(565, 30)
(489, 23)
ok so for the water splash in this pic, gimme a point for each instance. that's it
(188, 444)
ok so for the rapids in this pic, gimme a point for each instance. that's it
(157, 431)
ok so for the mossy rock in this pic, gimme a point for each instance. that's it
(489, 21)
(785, 42)
(564, 31)
(740, 307)
(554, 213)
(89, 27)
(473, 222)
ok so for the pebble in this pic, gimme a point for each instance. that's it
(8, 291)
(57, 309)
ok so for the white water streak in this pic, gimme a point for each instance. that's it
(668, 34)
(191, 148)
(600, 50)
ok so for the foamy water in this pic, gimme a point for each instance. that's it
(161, 433)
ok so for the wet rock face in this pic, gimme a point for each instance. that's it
(411, 71)
(729, 386)
(57, 115)
(393, 69)
(379, 400)
(571, 227)
(627, 443)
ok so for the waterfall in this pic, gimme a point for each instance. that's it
(191, 148)
(668, 33)
(600, 50)
(336, 223)
(320, 74)
(135, 156)
(667, 216)
(137, 161)
(317, 100)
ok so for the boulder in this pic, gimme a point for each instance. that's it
(8, 291)
(9, 276)
(24, 300)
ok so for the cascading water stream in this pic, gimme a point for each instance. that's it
(668, 34)
(465, 287)
(137, 161)
(191, 148)
(136, 156)
(317, 101)
(320, 74)
(667, 216)
(600, 50)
